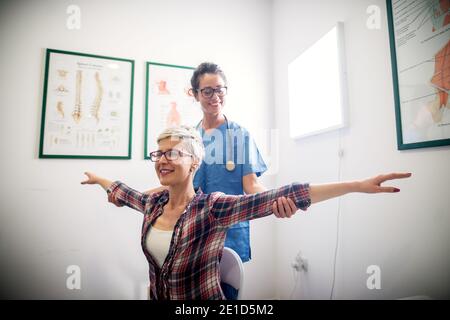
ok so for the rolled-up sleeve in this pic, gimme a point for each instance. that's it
(231, 209)
(122, 195)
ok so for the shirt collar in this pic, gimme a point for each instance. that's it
(165, 195)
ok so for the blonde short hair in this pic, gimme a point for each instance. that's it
(190, 140)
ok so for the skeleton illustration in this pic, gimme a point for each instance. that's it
(76, 114)
(60, 108)
(98, 98)
(61, 89)
(62, 73)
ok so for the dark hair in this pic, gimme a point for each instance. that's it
(203, 68)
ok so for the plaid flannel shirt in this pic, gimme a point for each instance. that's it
(191, 268)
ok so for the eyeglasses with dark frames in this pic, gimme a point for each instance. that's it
(208, 92)
(171, 155)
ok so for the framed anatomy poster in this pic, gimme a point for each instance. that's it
(169, 101)
(87, 106)
(420, 50)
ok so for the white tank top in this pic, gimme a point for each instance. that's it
(158, 244)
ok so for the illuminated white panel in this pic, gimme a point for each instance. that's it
(317, 87)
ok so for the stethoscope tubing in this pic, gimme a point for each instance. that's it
(229, 141)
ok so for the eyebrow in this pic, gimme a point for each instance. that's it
(219, 86)
(168, 150)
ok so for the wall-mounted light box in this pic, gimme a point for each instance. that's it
(317, 87)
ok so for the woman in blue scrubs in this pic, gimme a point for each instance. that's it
(232, 162)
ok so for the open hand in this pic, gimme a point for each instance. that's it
(92, 178)
(373, 185)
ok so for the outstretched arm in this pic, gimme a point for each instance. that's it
(230, 209)
(119, 193)
(327, 191)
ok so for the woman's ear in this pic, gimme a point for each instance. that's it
(193, 93)
(194, 167)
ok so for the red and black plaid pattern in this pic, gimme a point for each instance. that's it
(191, 268)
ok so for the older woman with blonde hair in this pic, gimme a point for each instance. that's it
(184, 230)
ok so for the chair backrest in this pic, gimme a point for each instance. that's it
(232, 270)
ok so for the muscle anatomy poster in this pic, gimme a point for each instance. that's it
(169, 101)
(420, 48)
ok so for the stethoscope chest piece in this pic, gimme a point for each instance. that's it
(230, 165)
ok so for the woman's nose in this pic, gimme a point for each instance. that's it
(215, 97)
(163, 159)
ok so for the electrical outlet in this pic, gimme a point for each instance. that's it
(300, 263)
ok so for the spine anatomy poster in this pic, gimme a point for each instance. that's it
(420, 43)
(87, 106)
(169, 101)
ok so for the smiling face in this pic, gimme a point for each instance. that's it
(174, 172)
(214, 104)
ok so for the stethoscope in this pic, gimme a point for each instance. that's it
(230, 165)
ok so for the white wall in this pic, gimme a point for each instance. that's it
(407, 234)
(48, 220)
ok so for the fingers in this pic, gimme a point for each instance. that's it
(284, 208)
(388, 189)
(281, 207)
(400, 175)
(278, 208)
(88, 181)
(275, 209)
(393, 176)
(287, 207)
(292, 205)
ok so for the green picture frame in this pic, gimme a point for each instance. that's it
(87, 107)
(419, 39)
(168, 101)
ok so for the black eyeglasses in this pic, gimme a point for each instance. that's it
(208, 92)
(171, 155)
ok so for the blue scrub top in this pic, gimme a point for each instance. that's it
(212, 176)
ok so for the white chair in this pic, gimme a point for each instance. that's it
(232, 270)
